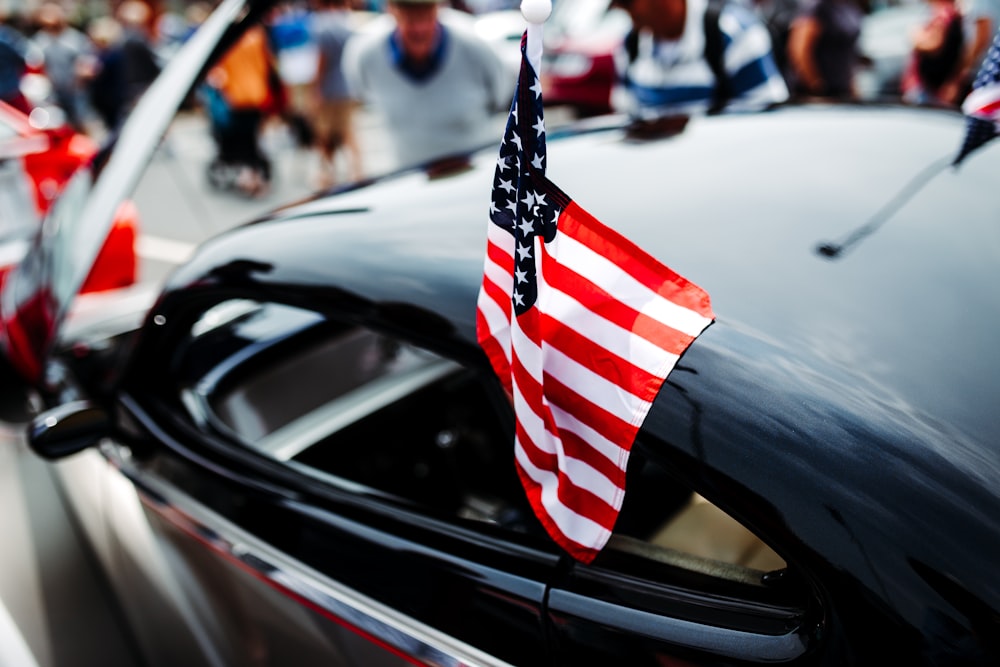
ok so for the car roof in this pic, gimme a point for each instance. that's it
(861, 377)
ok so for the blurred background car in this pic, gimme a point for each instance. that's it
(578, 67)
(38, 155)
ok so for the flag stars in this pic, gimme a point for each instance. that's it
(540, 126)
(512, 205)
(522, 276)
(536, 88)
(502, 163)
(527, 227)
(508, 186)
(524, 251)
(537, 162)
(517, 141)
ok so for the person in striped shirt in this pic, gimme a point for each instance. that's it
(691, 57)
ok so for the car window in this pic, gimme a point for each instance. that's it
(665, 522)
(354, 406)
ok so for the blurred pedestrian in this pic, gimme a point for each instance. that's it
(65, 53)
(982, 21)
(243, 79)
(439, 86)
(140, 62)
(685, 57)
(106, 82)
(294, 47)
(933, 72)
(334, 116)
(13, 64)
(777, 16)
(823, 49)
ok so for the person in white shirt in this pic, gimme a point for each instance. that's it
(688, 57)
(438, 86)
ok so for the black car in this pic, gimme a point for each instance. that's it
(300, 455)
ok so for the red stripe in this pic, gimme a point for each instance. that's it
(497, 295)
(494, 351)
(600, 360)
(606, 305)
(613, 427)
(575, 446)
(534, 494)
(588, 230)
(576, 498)
(500, 256)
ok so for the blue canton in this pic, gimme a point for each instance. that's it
(520, 203)
(977, 130)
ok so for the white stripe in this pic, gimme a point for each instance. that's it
(614, 280)
(580, 472)
(164, 250)
(526, 352)
(497, 323)
(501, 238)
(578, 528)
(639, 351)
(612, 397)
(499, 276)
(981, 97)
(567, 421)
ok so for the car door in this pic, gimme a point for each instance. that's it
(316, 491)
(681, 582)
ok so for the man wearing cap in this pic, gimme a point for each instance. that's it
(688, 57)
(438, 86)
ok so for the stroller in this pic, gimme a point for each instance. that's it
(239, 165)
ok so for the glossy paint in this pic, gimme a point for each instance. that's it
(843, 407)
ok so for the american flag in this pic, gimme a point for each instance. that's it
(582, 327)
(982, 106)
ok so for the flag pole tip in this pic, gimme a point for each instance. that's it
(536, 11)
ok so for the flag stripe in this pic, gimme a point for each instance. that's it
(546, 431)
(582, 327)
(608, 245)
(579, 488)
(607, 364)
(583, 537)
(598, 310)
(616, 279)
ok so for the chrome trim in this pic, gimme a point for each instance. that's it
(289, 441)
(737, 644)
(397, 631)
(14, 649)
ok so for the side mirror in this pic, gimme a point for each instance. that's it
(68, 429)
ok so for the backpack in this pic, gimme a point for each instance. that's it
(714, 54)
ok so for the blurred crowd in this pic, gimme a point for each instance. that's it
(437, 83)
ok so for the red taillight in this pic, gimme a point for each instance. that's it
(116, 265)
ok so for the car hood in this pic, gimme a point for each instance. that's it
(37, 294)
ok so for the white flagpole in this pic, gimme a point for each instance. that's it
(535, 12)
